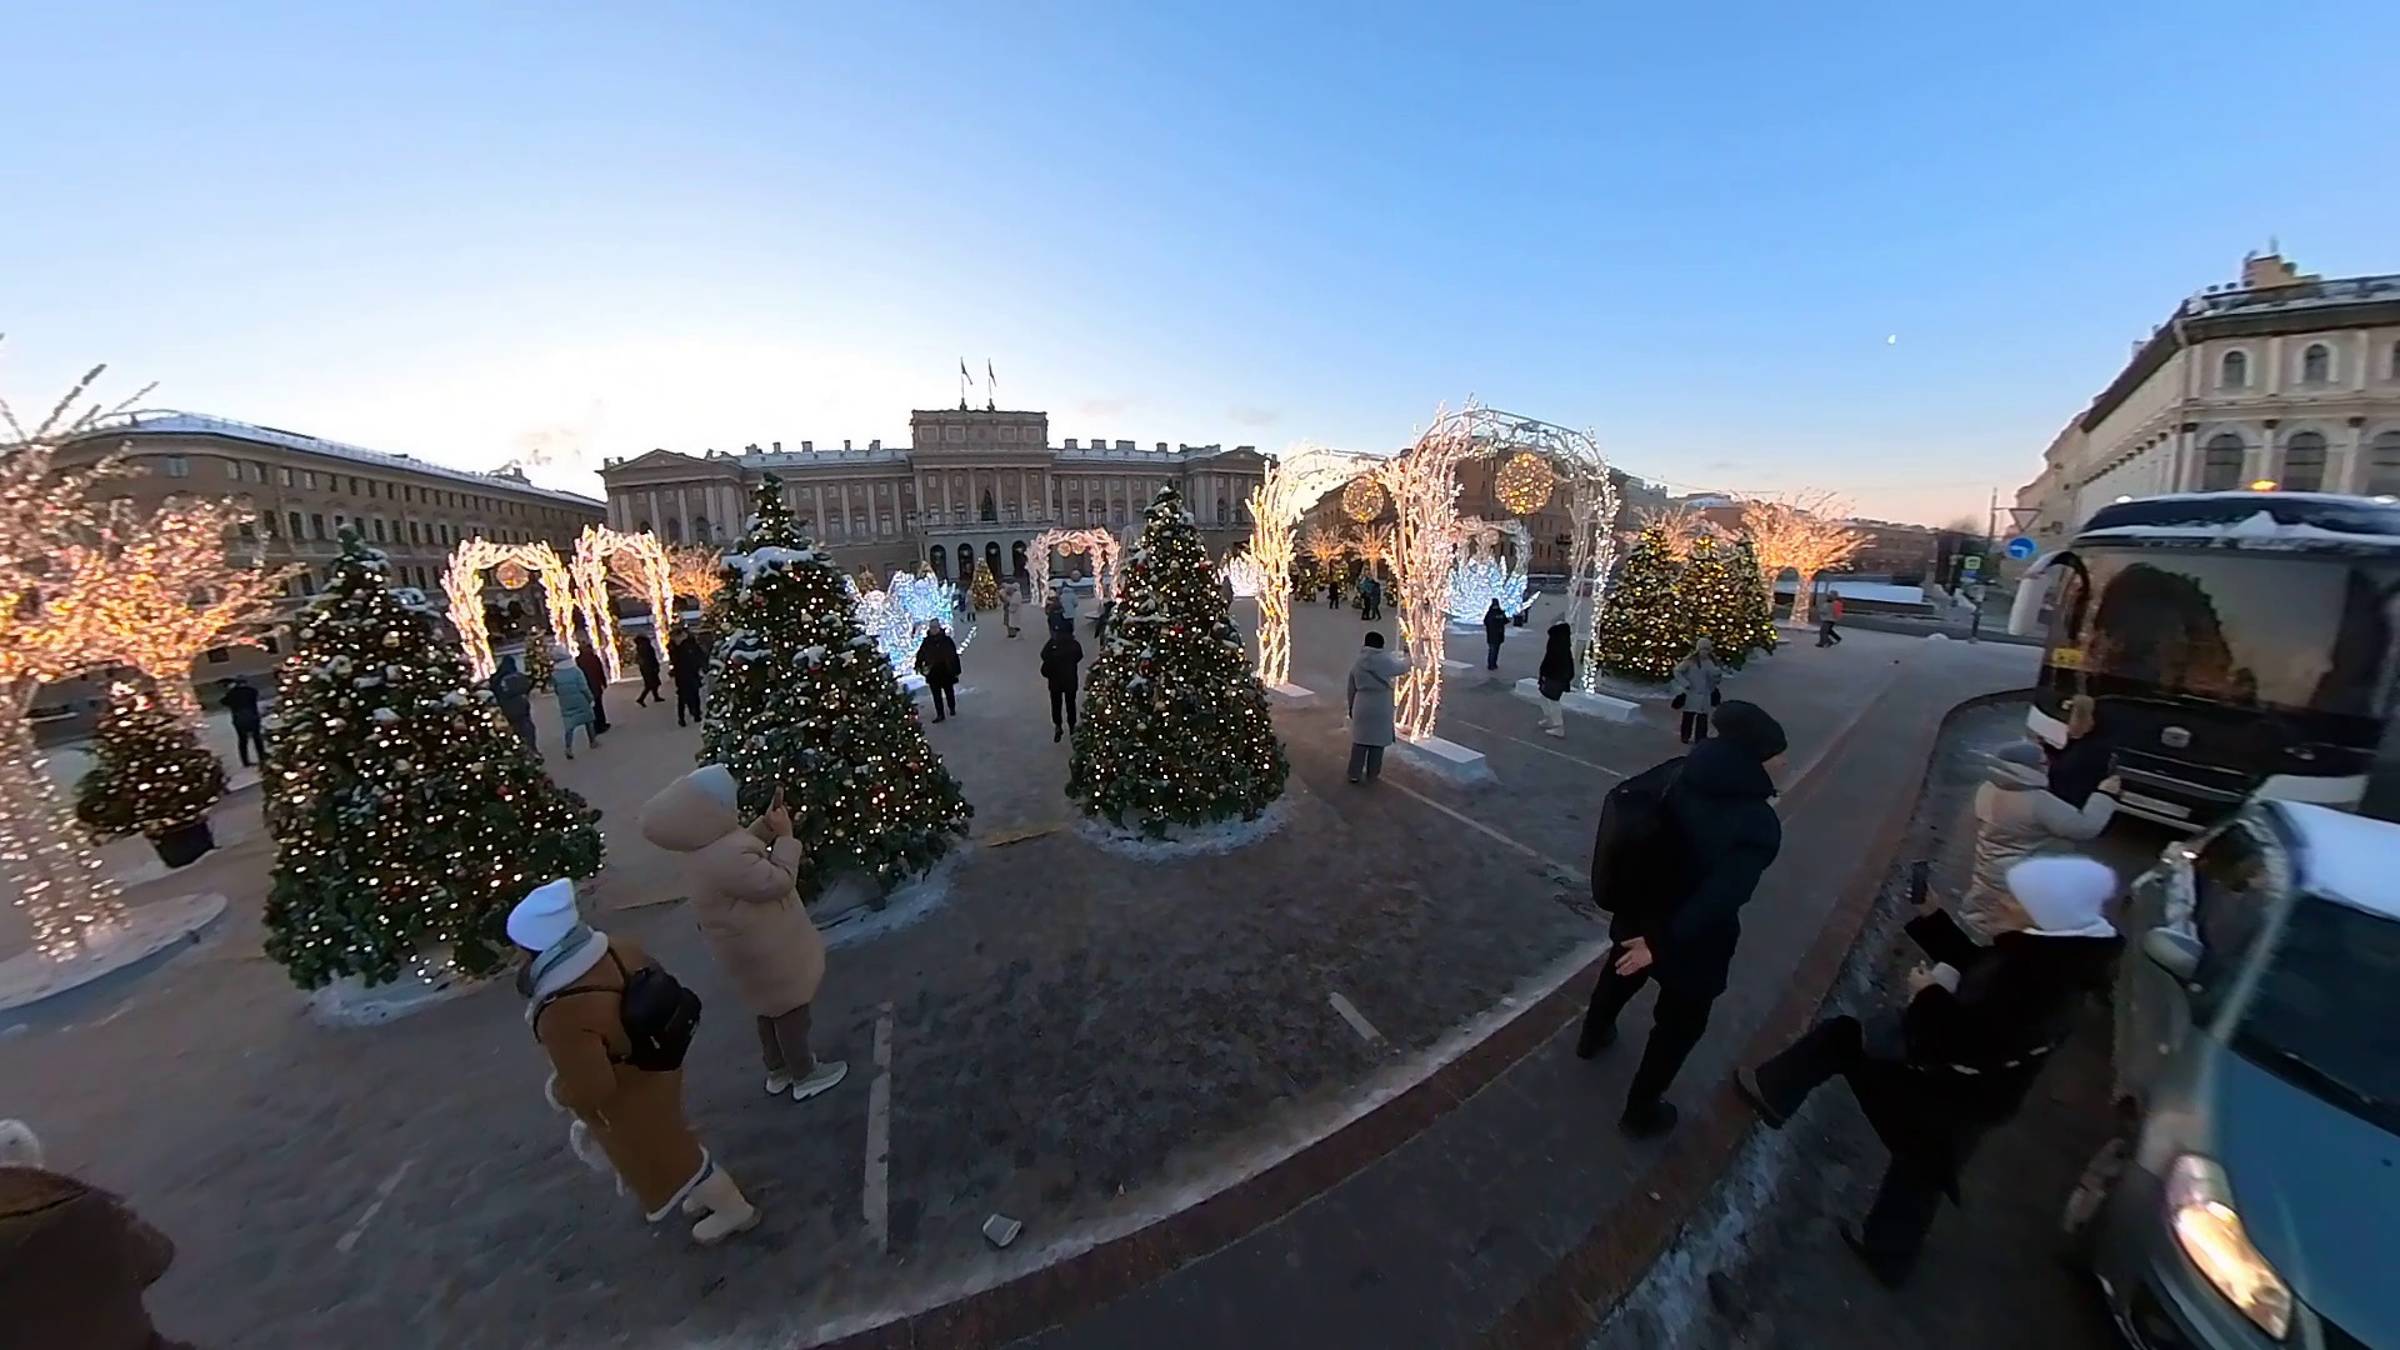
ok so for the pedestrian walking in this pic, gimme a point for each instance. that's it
(2019, 815)
(1495, 632)
(241, 705)
(1333, 593)
(616, 1027)
(1062, 659)
(1719, 820)
(512, 694)
(645, 660)
(1937, 1074)
(1373, 676)
(1008, 609)
(575, 705)
(687, 662)
(1106, 615)
(744, 900)
(1054, 617)
(76, 1258)
(1554, 676)
(1827, 634)
(595, 673)
(937, 661)
(1065, 595)
(1699, 685)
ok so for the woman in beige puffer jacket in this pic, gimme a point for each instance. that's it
(2017, 817)
(747, 908)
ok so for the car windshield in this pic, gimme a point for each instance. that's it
(2326, 1014)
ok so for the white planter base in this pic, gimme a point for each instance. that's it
(1185, 841)
(1601, 706)
(1293, 695)
(351, 1002)
(147, 930)
(1446, 759)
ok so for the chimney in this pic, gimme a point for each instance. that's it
(1124, 445)
(876, 444)
(808, 447)
(1070, 443)
(845, 442)
(1162, 447)
(779, 447)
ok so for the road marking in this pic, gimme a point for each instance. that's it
(1536, 745)
(1357, 1020)
(877, 1201)
(1572, 874)
(383, 1193)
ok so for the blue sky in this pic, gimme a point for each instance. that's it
(472, 232)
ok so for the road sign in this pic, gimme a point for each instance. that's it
(2021, 548)
(1971, 564)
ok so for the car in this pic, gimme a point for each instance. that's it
(2252, 1197)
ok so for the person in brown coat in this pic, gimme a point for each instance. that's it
(575, 981)
(73, 1259)
(744, 899)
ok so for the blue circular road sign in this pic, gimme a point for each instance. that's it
(2022, 547)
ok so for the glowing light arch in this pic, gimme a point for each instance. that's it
(462, 581)
(1294, 482)
(653, 579)
(1100, 544)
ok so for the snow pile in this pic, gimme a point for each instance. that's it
(907, 903)
(1185, 841)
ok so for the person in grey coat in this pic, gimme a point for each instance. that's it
(1372, 678)
(1699, 685)
(574, 698)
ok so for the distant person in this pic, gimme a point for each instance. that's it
(937, 661)
(1373, 677)
(74, 1259)
(512, 694)
(595, 673)
(1008, 609)
(1062, 659)
(687, 661)
(1333, 593)
(745, 902)
(1937, 1074)
(1698, 683)
(616, 1028)
(1100, 621)
(575, 710)
(1495, 632)
(645, 659)
(1554, 677)
(1719, 819)
(241, 705)
(1066, 598)
(1827, 634)
(1370, 593)
(1054, 617)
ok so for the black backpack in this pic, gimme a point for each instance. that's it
(1642, 861)
(659, 1014)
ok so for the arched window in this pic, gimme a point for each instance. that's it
(939, 559)
(2221, 463)
(2304, 462)
(991, 557)
(674, 530)
(1016, 559)
(2383, 465)
(990, 511)
(700, 534)
(2316, 364)
(2233, 371)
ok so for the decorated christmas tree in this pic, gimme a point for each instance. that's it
(1175, 727)
(538, 663)
(149, 775)
(984, 592)
(1642, 631)
(804, 700)
(1758, 604)
(1717, 600)
(407, 818)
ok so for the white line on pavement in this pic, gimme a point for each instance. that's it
(1573, 874)
(1536, 745)
(383, 1193)
(1357, 1020)
(877, 1201)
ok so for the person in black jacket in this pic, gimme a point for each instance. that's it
(241, 703)
(1495, 632)
(937, 661)
(1721, 818)
(1959, 1058)
(1061, 656)
(645, 657)
(687, 663)
(1553, 677)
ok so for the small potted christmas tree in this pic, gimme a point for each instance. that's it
(150, 776)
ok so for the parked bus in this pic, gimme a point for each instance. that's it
(2238, 645)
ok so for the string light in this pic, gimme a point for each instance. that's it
(1481, 577)
(511, 575)
(595, 550)
(1524, 483)
(1293, 483)
(1804, 532)
(1363, 499)
(149, 773)
(694, 571)
(1642, 634)
(1371, 543)
(462, 581)
(1100, 544)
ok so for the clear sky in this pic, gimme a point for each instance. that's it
(473, 232)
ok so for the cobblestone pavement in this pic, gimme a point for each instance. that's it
(1076, 1037)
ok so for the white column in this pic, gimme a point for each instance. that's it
(652, 495)
(2352, 476)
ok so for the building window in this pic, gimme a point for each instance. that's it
(2304, 462)
(415, 535)
(700, 533)
(247, 530)
(308, 479)
(293, 518)
(308, 583)
(175, 466)
(316, 526)
(2316, 364)
(939, 559)
(2392, 371)
(287, 477)
(218, 656)
(674, 531)
(2383, 465)
(370, 487)
(378, 531)
(954, 435)
(2221, 463)
(2233, 371)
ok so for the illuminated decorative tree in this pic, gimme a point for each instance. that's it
(1804, 532)
(984, 591)
(695, 571)
(1323, 546)
(1371, 544)
(1643, 630)
(408, 819)
(1717, 601)
(805, 701)
(150, 775)
(1682, 525)
(176, 593)
(1175, 728)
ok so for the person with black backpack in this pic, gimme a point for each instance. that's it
(1679, 851)
(616, 1026)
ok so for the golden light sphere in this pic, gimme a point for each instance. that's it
(1362, 500)
(1525, 483)
(511, 575)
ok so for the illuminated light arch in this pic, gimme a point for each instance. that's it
(652, 580)
(462, 581)
(1100, 544)
(1294, 482)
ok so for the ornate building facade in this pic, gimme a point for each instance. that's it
(972, 488)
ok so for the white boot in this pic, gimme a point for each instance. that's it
(728, 1212)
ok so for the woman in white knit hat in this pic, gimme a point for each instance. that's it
(576, 979)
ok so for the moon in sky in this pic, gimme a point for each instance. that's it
(1891, 339)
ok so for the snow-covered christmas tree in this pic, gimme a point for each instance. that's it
(149, 775)
(1642, 632)
(408, 819)
(804, 700)
(1176, 730)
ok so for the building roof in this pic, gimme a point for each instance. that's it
(169, 422)
(2305, 307)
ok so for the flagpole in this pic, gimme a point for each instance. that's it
(991, 387)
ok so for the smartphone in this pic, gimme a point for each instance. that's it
(1920, 880)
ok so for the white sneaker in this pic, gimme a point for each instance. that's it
(823, 1078)
(778, 1083)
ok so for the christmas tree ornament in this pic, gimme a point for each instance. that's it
(1363, 500)
(1524, 483)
